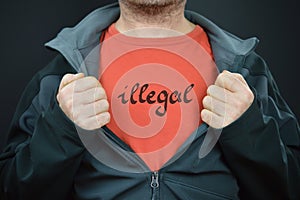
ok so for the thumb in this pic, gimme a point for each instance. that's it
(69, 78)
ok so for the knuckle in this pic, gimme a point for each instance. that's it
(203, 114)
(105, 105)
(238, 75)
(210, 89)
(101, 89)
(69, 105)
(108, 117)
(60, 94)
(231, 82)
(100, 92)
(206, 100)
(221, 76)
(103, 118)
(92, 80)
(249, 95)
(58, 98)
(226, 76)
(225, 81)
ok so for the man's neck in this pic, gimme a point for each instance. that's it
(167, 21)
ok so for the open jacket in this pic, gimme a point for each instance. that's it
(256, 157)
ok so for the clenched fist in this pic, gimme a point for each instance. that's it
(84, 101)
(226, 100)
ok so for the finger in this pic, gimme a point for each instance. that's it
(82, 112)
(219, 93)
(95, 122)
(86, 83)
(69, 78)
(80, 85)
(229, 82)
(212, 119)
(103, 118)
(238, 76)
(89, 96)
(89, 110)
(214, 105)
(101, 106)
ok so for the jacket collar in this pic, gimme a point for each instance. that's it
(77, 42)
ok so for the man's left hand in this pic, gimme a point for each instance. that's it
(226, 100)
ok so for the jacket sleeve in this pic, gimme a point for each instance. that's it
(43, 150)
(263, 146)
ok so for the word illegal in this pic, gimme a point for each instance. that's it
(152, 97)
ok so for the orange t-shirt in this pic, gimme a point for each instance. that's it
(155, 88)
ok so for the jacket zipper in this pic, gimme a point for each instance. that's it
(155, 185)
(155, 175)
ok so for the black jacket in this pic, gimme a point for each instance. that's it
(256, 157)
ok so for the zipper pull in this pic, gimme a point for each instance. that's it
(154, 181)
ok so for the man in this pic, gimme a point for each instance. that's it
(71, 136)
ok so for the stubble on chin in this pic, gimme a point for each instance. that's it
(152, 7)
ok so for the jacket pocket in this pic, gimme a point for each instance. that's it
(190, 192)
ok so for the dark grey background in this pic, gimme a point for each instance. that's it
(27, 25)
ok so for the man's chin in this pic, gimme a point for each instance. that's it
(163, 3)
(152, 7)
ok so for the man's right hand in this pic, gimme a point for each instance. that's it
(84, 101)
